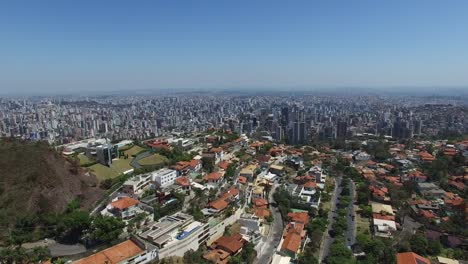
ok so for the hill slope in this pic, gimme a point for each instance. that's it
(35, 179)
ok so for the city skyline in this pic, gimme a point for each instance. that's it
(64, 48)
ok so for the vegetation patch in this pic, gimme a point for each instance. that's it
(153, 160)
(133, 151)
(103, 172)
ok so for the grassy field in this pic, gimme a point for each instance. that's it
(152, 160)
(103, 172)
(122, 165)
(362, 224)
(133, 151)
(84, 159)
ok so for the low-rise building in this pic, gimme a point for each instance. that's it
(175, 234)
(137, 184)
(129, 251)
(124, 207)
(164, 177)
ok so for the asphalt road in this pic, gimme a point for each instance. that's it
(351, 217)
(328, 240)
(271, 242)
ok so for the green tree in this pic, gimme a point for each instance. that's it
(248, 253)
(434, 247)
(419, 244)
(73, 225)
(106, 228)
(208, 164)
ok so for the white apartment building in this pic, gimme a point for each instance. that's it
(164, 177)
(137, 184)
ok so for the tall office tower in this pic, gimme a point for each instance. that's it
(297, 135)
(401, 129)
(278, 132)
(417, 125)
(341, 129)
(284, 116)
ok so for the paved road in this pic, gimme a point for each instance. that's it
(351, 217)
(327, 241)
(57, 249)
(271, 242)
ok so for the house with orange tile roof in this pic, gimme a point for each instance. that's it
(262, 212)
(120, 253)
(159, 144)
(260, 203)
(213, 177)
(416, 176)
(223, 165)
(231, 244)
(242, 180)
(425, 156)
(411, 258)
(299, 217)
(291, 244)
(124, 207)
(184, 182)
(182, 167)
(459, 185)
(219, 204)
(216, 154)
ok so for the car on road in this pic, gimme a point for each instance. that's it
(332, 233)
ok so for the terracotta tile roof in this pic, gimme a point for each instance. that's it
(242, 179)
(113, 255)
(310, 185)
(124, 203)
(455, 201)
(425, 156)
(214, 176)
(230, 194)
(292, 242)
(262, 212)
(183, 181)
(411, 258)
(459, 185)
(216, 150)
(300, 217)
(383, 217)
(219, 204)
(231, 244)
(427, 214)
(223, 165)
(181, 165)
(194, 163)
(259, 202)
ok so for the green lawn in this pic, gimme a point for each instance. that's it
(84, 159)
(133, 151)
(103, 172)
(122, 165)
(153, 160)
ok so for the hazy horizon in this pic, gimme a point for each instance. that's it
(56, 47)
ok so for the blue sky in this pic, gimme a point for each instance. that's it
(129, 45)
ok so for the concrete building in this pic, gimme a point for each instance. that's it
(176, 234)
(137, 184)
(164, 177)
